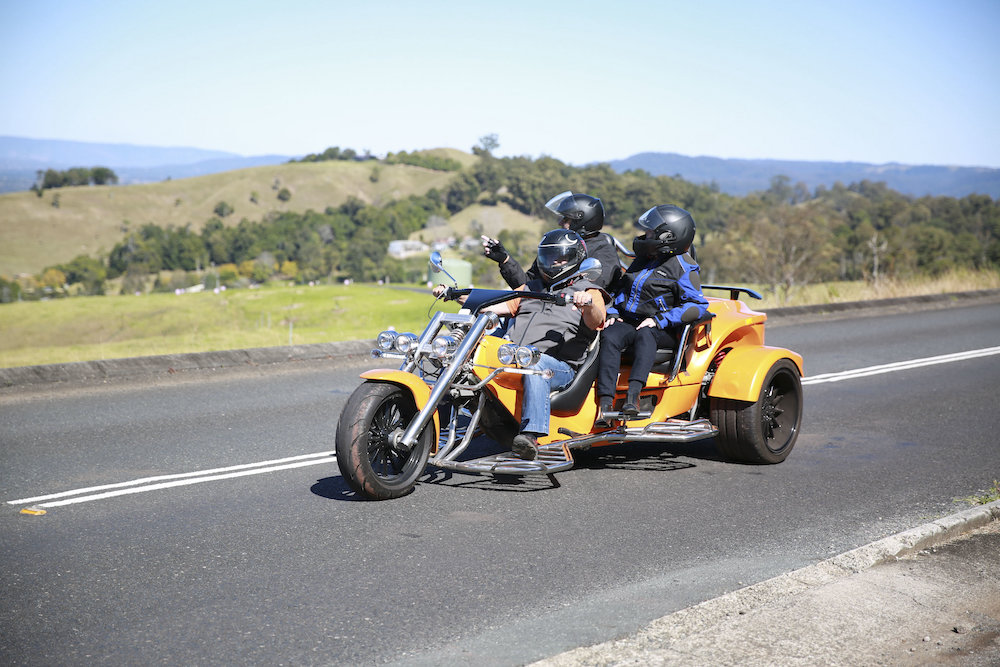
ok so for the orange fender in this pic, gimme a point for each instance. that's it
(417, 388)
(740, 376)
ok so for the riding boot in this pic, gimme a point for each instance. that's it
(604, 406)
(631, 408)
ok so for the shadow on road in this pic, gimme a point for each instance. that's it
(650, 457)
(335, 488)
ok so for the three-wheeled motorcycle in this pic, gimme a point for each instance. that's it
(460, 379)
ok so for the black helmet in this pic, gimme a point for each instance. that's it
(559, 254)
(673, 230)
(585, 213)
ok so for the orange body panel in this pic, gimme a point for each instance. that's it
(740, 376)
(417, 388)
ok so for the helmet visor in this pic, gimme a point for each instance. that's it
(650, 220)
(563, 205)
(559, 258)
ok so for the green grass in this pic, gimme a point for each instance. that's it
(988, 496)
(106, 327)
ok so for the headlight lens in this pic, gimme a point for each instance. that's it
(505, 353)
(527, 355)
(523, 355)
(385, 340)
(405, 342)
(443, 346)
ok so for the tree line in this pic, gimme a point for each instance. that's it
(402, 157)
(784, 237)
(53, 178)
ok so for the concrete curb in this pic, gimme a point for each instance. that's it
(261, 356)
(705, 616)
(172, 363)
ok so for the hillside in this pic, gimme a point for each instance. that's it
(740, 177)
(88, 220)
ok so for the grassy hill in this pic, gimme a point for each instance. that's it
(89, 220)
(487, 220)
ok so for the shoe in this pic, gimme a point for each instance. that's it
(604, 407)
(631, 408)
(525, 446)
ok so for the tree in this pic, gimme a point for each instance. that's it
(785, 247)
(284, 194)
(90, 273)
(52, 277)
(223, 209)
(487, 144)
(103, 176)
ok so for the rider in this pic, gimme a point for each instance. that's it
(584, 215)
(659, 291)
(563, 333)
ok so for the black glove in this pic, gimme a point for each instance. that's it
(495, 250)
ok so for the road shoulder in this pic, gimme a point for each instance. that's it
(930, 595)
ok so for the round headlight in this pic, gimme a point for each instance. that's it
(527, 355)
(443, 346)
(405, 342)
(385, 340)
(505, 354)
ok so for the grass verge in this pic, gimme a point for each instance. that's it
(986, 497)
(108, 327)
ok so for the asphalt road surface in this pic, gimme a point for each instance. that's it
(200, 519)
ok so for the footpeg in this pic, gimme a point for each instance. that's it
(618, 416)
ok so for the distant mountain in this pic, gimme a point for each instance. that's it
(20, 158)
(740, 177)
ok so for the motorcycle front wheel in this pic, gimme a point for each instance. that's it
(375, 415)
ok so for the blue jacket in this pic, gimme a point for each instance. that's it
(669, 291)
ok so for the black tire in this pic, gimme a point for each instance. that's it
(763, 431)
(368, 461)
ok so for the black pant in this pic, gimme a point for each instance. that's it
(644, 343)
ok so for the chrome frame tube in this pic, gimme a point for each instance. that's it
(425, 338)
(448, 453)
(443, 385)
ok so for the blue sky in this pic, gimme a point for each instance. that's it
(916, 82)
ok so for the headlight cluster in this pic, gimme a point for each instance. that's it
(389, 341)
(443, 347)
(523, 355)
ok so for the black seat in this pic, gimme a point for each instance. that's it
(668, 361)
(571, 397)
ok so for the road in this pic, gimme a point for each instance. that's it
(230, 554)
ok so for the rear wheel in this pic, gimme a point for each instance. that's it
(763, 431)
(374, 418)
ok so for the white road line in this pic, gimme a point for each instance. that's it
(181, 479)
(899, 366)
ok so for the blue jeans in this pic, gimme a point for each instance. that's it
(535, 408)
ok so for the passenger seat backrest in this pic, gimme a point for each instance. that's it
(571, 397)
